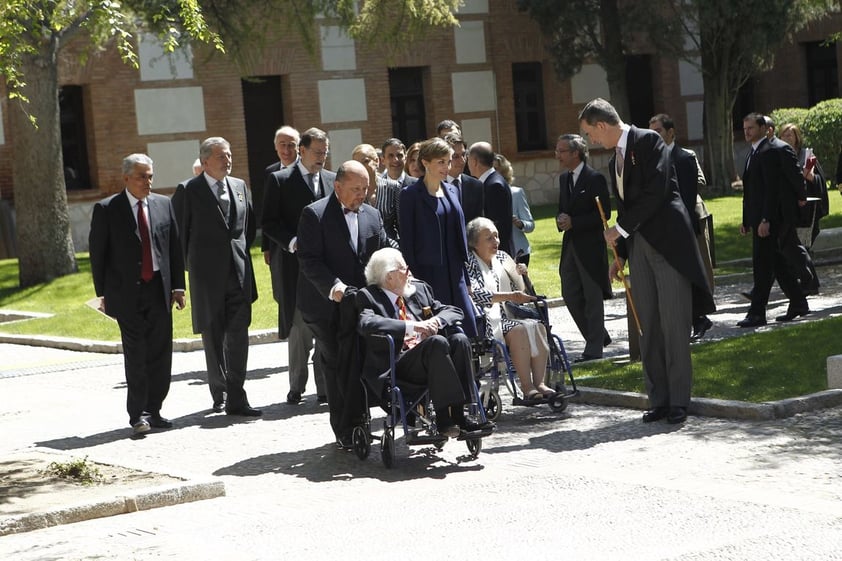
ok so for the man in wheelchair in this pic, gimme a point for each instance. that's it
(430, 351)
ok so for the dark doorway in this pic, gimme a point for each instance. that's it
(74, 146)
(264, 114)
(641, 96)
(822, 72)
(530, 122)
(406, 89)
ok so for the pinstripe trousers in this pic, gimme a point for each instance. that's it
(663, 298)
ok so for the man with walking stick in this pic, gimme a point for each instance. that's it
(653, 232)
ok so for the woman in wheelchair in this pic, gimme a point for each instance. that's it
(496, 280)
(428, 356)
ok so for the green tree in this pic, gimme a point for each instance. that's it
(582, 30)
(35, 34)
(729, 42)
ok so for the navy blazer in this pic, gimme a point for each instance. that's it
(326, 256)
(498, 208)
(115, 251)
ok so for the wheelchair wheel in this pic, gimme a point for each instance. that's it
(558, 403)
(387, 447)
(474, 446)
(493, 410)
(362, 446)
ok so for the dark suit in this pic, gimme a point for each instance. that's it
(285, 195)
(435, 247)
(142, 309)
(222, 287)
(471, 196)
(326, 257)
(498, 208)
(583, 267)
(772, 187)
(666, 269)
(440, 363)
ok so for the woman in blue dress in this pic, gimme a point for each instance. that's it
(432, 232)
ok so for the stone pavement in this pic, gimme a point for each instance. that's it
(591, 483)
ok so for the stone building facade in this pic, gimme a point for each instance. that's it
(491, 74)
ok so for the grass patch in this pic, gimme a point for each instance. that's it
(77, 469)
(758, 367)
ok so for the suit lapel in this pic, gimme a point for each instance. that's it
(385, 302)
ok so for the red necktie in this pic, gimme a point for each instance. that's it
(410, 340)
(146, 272)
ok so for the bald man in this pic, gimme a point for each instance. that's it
(497, 202)
(336, 237)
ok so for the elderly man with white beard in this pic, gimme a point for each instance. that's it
(427, 353)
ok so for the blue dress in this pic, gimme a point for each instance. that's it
(433, 243)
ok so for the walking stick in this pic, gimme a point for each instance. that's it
(620, 272)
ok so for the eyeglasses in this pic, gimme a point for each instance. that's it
(319, 153)
(557, 151)
(402, 268)
(292, 145)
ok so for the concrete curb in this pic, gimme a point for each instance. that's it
(155, 497)
(719, 408)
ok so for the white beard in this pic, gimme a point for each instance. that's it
(409, 289)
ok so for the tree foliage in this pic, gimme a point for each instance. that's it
(587, 30)
(35, 33)
(729, 42)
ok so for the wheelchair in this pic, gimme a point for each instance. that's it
(409, 407)
(492, 363)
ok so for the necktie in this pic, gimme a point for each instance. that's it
(457, 183)
(146, 272)
(311, 181)
(748, 160)
(618, 162)
(222, 196)
(570, 183)
(410, 340)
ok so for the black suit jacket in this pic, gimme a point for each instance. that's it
(498, 208)
(652, 207)
(285, 195)
(471, 197)
(687, 174)
(378, 315)
(116, 251)
(585, 234)
(772, 185)
(326, 256)
(213, 243)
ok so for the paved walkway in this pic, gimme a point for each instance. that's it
(592, 483)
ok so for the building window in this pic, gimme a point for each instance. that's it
(641, 96)
(530, 120)
(74, 147)
(406, 90)
(264, 114)
(822, 72)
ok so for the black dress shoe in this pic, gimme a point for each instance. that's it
(321, 399)
(655, 414)
(792, 313)
(294, 397)
(747, 295)
(246, 411)
(344, 442)
(218, 406)
(487, 426)
(606, 340)
(677, 415)
(158, 422)
(700, 327)
(752, 321)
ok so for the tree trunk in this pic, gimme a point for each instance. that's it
(45, 246)
(719, 134)
(614, 58)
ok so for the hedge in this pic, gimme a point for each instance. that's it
(822, 129)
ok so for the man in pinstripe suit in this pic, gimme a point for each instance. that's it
(653, 231)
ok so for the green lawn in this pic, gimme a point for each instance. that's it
(727, 214)
(757, 367)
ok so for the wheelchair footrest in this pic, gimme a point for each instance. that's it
(421, 439)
